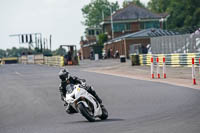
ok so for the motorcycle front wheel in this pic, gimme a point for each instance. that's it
(85, 112)
(104, 115)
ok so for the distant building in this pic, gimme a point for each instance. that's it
(132, 19)
(91, 37)
(137, 42)
(127, 21)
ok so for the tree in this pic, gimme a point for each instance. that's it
(158, 6)
(183, 14)
(12, 52)
(96, 11)
(47, 52)
(136, 2)
(2, 53)
(60, 51)
(102, 39)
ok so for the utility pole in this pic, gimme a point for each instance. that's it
(111, 19)
(50, 41)
(44, 44)
(102, 15)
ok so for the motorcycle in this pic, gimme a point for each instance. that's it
(78, 100)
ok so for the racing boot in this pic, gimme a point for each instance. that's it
(91, 91)
(100, 102)
(70, 110)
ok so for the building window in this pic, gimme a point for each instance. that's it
(97, 32)
(91, 32)
(128, 27)
(150, 24)
(121, 27)
(141, 25)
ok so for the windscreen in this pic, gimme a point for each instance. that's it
(69, 88)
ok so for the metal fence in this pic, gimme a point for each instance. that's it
(187, 43)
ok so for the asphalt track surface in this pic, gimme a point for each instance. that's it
(30, 103)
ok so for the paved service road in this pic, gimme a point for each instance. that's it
(30, 103)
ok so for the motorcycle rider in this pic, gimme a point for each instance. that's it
(66, 79)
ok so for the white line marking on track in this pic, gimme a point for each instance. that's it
(18, 73)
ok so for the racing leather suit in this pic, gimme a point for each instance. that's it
(76, 80)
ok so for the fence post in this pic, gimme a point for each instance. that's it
(158, 70)
(193, 72)
(164, 68)
(152, 73)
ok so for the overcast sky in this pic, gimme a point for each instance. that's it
(61, 18)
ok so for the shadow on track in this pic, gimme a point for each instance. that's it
(99, 121)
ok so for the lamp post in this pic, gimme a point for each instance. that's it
(162, 20)
(111, 19)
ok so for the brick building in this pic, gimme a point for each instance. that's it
(91, 35)
(131, 26)
(134, 42)
(132, 19)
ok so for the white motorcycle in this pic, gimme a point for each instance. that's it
(78, 100)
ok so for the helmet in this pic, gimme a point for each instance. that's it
(64, 74)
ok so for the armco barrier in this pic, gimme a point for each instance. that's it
(174, 60)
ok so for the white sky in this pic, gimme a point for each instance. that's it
(61, 18)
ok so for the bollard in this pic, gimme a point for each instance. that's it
(193, 72)
(152, 73)
(164, 68)
(199, 64)
(158, 70)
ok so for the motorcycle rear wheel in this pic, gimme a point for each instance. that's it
(85, 112)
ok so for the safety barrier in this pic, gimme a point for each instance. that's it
(23, 59)
(9, 60)
(174, 60)
(40, 59)
(54, 61)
